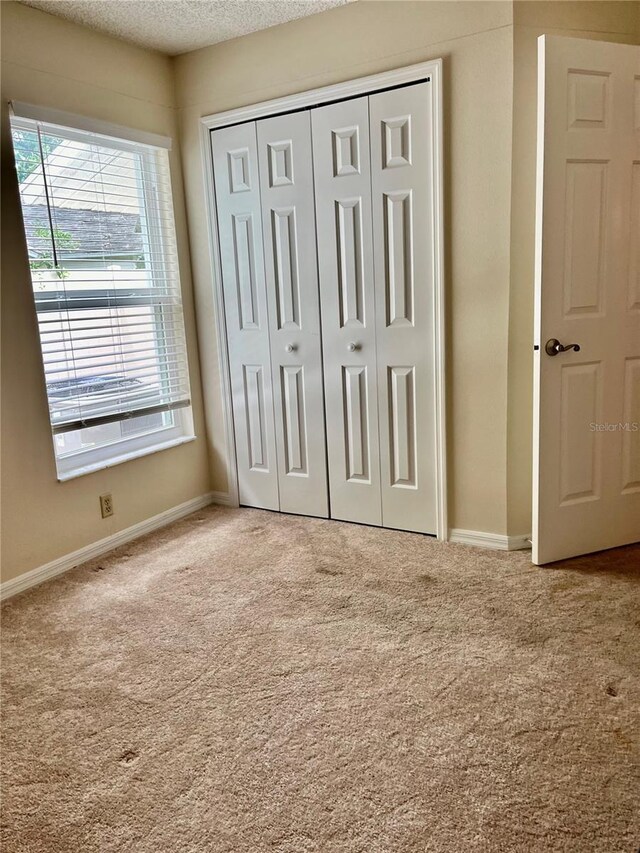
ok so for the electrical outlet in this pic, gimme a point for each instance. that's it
(106, 505)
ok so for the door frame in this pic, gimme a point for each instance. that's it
(537, 289)
(423, 71)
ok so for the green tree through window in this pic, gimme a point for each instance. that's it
(63, 240)
(27, 151)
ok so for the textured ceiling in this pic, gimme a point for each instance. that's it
(176, 26)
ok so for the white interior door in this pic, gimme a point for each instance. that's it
(587, 400)
(288, 219)
(342, 173)
(403, 210)
(243, 279)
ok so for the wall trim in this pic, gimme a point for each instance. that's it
(215, 263)
(496, 541)
(102, 546)
(432, 71)
(56, 567)
(222, 498)
(324, 94)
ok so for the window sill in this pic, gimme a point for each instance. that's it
(125, 457)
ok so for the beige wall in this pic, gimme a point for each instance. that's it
(48, 61)
(605, 21)
(475, 40)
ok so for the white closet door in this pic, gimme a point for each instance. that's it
(289, 228)
(403, 208)
(343, 215)
(240, 230)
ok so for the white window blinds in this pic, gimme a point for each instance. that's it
(99, 223)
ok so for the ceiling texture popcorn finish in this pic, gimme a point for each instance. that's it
(177, 26)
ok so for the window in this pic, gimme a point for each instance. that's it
(99, 224)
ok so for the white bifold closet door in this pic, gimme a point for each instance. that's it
(326, 236)
(402, 193)
(343, 214)
(235, 159)
(266, 226)
(374, 209)
(289, 228)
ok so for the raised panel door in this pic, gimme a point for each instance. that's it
(403, 205)
(246, 315)
(288, 221)
(342, 174)
(586, 428)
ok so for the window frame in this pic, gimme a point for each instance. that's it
(86, 460)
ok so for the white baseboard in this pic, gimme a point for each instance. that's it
(490, 540)
(102, 546)
(222, 498)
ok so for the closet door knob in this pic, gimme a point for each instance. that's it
(290, 348)
(353, 347)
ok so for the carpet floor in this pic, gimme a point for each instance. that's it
(245, 681)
